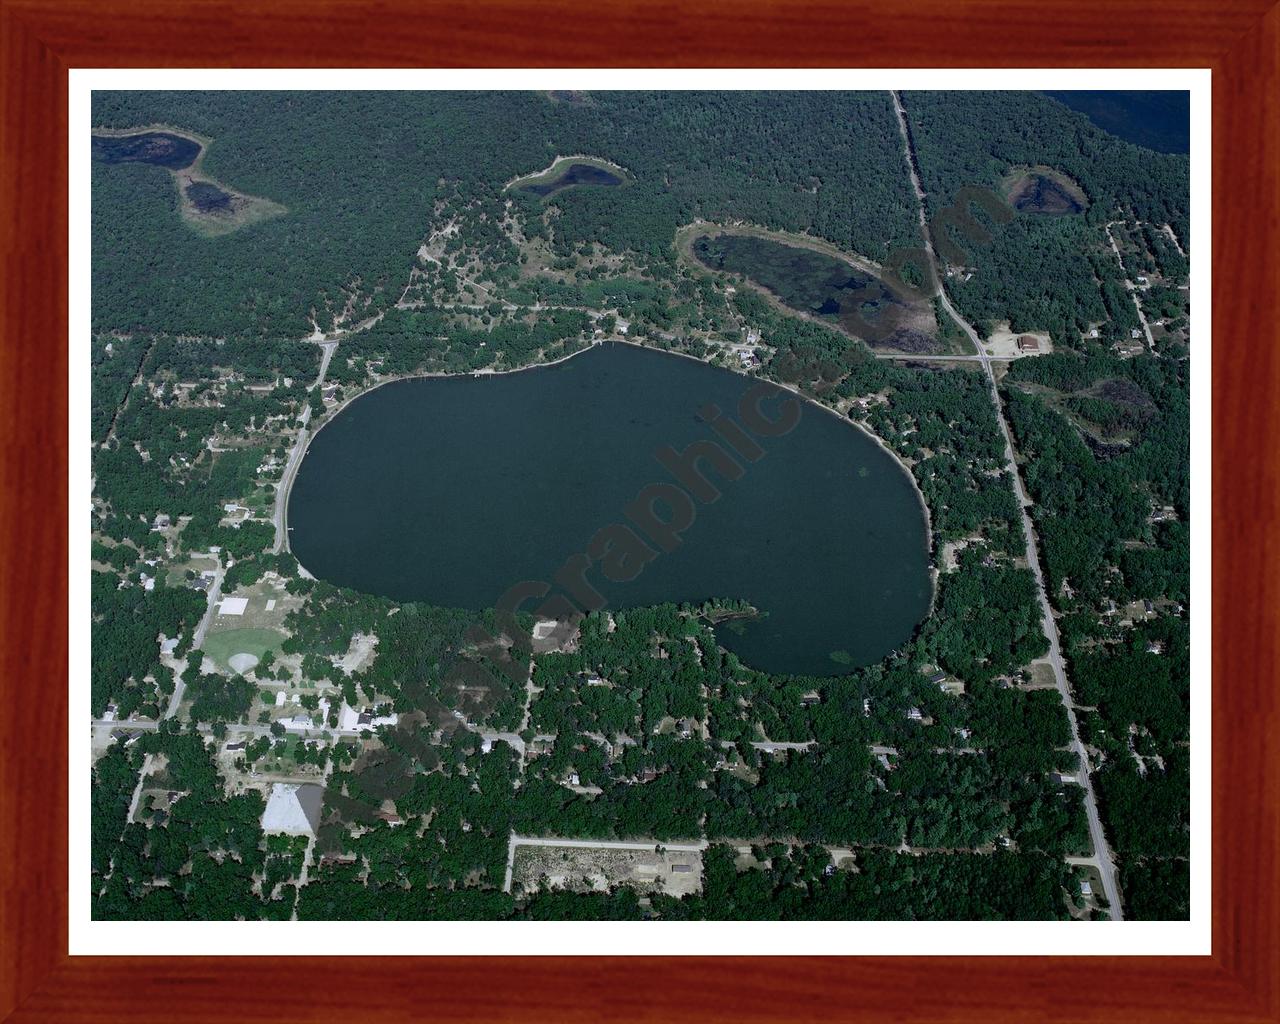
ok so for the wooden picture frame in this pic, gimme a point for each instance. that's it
(42, 39)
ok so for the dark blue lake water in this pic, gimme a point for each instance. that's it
(574, 174)
(450, 490)
(1159, 120)
(160, 148)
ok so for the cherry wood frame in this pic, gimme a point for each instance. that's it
(41, 39)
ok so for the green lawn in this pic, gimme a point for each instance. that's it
(221, 645)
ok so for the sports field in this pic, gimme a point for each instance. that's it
(225, 644)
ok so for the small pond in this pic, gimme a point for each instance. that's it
(570, 175)
(163, 149)
(208, 198)
(821, 285)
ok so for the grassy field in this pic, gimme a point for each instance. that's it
(220, 646)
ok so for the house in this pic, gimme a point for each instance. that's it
(161, 522)
(1155, 646)
(647, 774)
(574, 780)
(1093, 333)
(350, 719)
(1028, 343)
(169, 645)
(1142, 279)
(866, 707)
(937, 678)
(299, 723)
(293, 809)
(1085, 888)
(1135, 333)
(1062, 780)
(681, 868)
(810, 698)
(914, 715)
(238, 745)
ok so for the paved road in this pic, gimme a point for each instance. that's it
(286, 482)
(197, 642)
(327, 349)
(1102, 851)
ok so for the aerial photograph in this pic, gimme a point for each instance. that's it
(660, 505)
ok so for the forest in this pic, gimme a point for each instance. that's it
(1112, 522)
(1039, 273)
(645, 727)
(364, 170)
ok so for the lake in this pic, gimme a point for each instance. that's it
(823, 286)
(163, 149)
(1159, 120)
(573, 174)
(450, 490)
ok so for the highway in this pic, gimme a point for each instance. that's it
(1101, 850)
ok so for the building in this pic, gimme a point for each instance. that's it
(293, 810)
(1028, 343)
(350, 719)
(681, 868)
(1085, 888)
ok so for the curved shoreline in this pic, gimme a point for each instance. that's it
(546, 172)
(330, 415)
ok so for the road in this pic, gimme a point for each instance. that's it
(328, 346)
(1133, 290)
(286, 481)
(925, 357)
(1101, 851)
